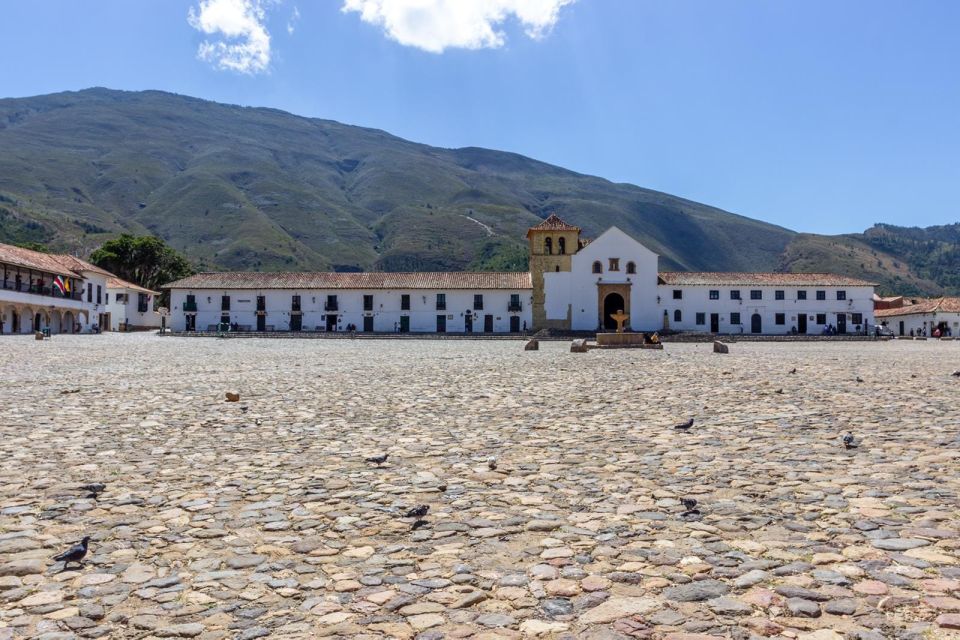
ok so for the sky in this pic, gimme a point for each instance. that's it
(818, 115)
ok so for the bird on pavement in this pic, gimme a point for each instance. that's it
(74, 553)
(684, 426)
(419, 523)
(418, 511)
(956, 374)
(688, 503)
(492, 463)
(95, 489)
(859, 379)
(794, 370)
(378, 460)
(442, 487)
(849, 442)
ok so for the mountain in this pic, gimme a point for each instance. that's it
(260, 189)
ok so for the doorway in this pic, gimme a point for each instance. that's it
(514, 324)
(368, 324)
(802, 323)
(714, 323)
(468, 323)
(261, 323)
(441, 324)
(296, 323)
(611, 305)
(331, 322)
(15, 322)
(488, 323)
(901, 327)
(756, 323)
(190, 323)
(841, 323)
(404, 324)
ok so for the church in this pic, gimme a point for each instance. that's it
(573, 284)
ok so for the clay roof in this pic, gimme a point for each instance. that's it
(117, 283)
(922, 305)
(330, 280)
(727, 279)
(553, 223)
(58, 264)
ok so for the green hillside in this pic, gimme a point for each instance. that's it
(260, 189)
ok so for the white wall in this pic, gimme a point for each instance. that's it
(49, 305)
(577, 290)
(129, 311)
(386, 311)
(918, 321)
(696, 299)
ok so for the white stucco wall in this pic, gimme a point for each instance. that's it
(129, 312)
(919, 321)
(697, 299)
(52, 309)
(386, 311)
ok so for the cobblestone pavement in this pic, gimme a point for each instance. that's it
(261, 517)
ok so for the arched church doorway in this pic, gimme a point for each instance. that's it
(612, 304)
(756, 325)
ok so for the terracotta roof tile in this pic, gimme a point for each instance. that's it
(922, 305)
(330, 280)
(117, 283)
(37, 260)
(553, 223)
(760, 279)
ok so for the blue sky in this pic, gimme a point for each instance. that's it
(818, 115)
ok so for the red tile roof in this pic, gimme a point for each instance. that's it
(117, 283)
(760, 279)
(330, 280)
(553, 223)
(922, 305)
(58, 264)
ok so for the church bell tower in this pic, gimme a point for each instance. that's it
(552, 243)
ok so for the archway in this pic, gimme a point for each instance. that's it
(756, 324)
(612, 304)
(68, 322)
(54, 322)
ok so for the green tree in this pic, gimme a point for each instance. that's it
(143, 260)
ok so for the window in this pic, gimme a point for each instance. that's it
(106, 298)
(405, 302)
(441, 302)
(678, 294)
(780, 318)
(756, 294)
(701, 318)
(261, 303)
(224, 303)
(514, 302)
(89, 292)
(478, 302)
(734, 318)
(557, 268)
(821, 295)
(631, 267)
(561, 246)
(295, 303)
(142, 303)
(597, 267)
(714, 294)
(778, 294)
(677, 316)
(801, 295)
(331, 304)
(368, 302)
(821, 318)
(614, 264)
(548, 246)
(735, 294)
(841, 295)
(857, 318)
(99, 293)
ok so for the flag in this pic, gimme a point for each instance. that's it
(66, 285)
(59, 285)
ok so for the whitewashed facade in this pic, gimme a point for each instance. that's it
(30, 299)
(130, 307)
(583, 284)
(922, 317)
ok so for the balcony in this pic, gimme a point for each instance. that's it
(331, 306)
(514, 306)
(37, 290)
(190, 307)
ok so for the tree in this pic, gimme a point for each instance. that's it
(143, 260)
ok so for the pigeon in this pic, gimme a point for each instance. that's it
(684, 426)
(258, 422)
(378, 460)
(780, 391)
(688, 503)
(956, 374)
(848, 441)
(95, 489)
(794, 370)
(859, 379)
(244, 409)
(442, 487)
(418, 511)
(492, 463)
(419, 523)
(74, 553)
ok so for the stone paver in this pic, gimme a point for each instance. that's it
(261, 518)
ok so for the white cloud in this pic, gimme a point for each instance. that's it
(292, 22)
(242, 41)
(436, 25)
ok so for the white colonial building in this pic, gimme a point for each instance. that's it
(572, 285)
(920, 316)
(42, 291)
(130, 307)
